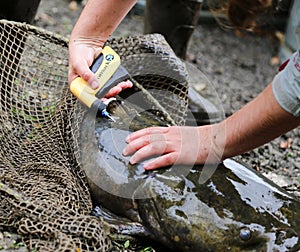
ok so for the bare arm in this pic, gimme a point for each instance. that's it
(96, 23)
(258, 122)
(100, 18)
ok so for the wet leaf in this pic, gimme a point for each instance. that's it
(126, 244)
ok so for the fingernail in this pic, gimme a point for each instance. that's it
(132, 161)
(147, 167)
(95, 84)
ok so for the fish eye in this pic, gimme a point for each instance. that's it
(245, 234)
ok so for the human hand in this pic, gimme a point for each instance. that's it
(82, 53)
(174, 145)
(117, 89)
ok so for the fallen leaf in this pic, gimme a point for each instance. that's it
(275, 61)
(280, 36)
(73, 6)
(46, 18)
(285, 144)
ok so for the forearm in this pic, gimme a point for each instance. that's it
(96, 23)
(259, 122)
(100, 18)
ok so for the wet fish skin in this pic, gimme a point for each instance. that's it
(236, 209)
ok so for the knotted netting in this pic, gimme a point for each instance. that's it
(44, 195)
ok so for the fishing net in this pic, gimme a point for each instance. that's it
(44, 195)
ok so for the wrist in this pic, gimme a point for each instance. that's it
(99, 19)
(212, 142)
(94, 42)
(218, 141)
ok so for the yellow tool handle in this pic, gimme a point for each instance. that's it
(104, 67)
(79, 87)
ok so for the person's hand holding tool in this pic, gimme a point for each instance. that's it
(84, 53)
(95, 25)
(109, 74)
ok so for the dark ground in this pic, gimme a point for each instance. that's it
(239, 67)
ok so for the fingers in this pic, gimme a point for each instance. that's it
(125, 84)
(146, 131)
(161, 161)
(149, 142)
(119, 88)
(148, 150)
(170, 145)
(89, 77)
(86, 74)
(81, 56)
(82, 53)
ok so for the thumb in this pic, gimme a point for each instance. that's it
(86, 74)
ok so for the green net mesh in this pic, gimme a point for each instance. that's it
(44, 195)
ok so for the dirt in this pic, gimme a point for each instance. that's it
(238, 67)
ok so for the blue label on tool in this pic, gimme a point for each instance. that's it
(109, 57)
